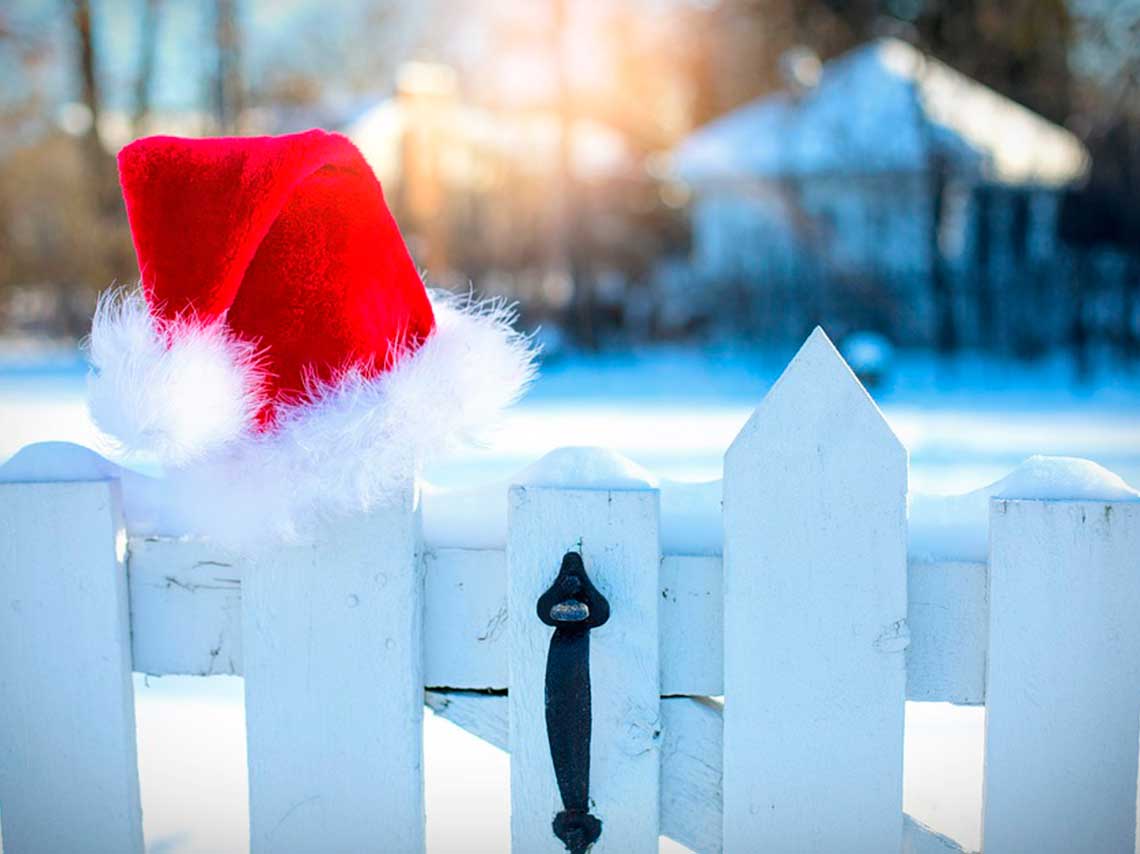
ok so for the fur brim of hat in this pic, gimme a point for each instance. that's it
(187, 395)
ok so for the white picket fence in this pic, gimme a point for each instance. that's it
(813, 627)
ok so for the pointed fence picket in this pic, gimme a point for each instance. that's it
(813, 628)
(815, 607)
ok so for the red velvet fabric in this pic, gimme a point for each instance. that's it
(288, 239)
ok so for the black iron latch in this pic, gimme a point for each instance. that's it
(573, 606)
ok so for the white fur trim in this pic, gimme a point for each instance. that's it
(178, 390)
(360, 440)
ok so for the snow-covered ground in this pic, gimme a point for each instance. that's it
(674, 413)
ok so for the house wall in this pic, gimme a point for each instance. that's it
(851, 250)
(860, 251)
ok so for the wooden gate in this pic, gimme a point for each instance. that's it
(749, 701)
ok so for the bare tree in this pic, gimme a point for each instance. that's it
(99, 166)
(228, 94)
(144, 79)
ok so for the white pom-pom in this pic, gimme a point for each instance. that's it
(178, 390)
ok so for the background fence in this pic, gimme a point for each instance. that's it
(812, 626)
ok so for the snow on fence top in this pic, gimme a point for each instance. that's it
(956, 527)
(940, 527)
(798, 603)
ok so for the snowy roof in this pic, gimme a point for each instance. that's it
(879, 108)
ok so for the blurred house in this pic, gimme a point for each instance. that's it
(883, 190)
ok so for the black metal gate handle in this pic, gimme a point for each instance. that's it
(573, 606)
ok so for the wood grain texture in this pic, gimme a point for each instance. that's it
(185, 608)
(617, 534)
(68, 761)
(1064, 677)
(334, 690)
(186, 620)
(815, 618)
(948, 616)
(465, 611)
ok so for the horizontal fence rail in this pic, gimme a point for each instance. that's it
(186, 620)
(754, 695)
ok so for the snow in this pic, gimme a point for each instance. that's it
(473, 518)
(966, 424)
(477, 517)
(669, 415)
(144, 499)
(53, 462)
(690, 517)
(587, 468)
(956, 527)
(1064, 479)
(942, 527)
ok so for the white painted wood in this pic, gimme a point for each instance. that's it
(815, 617)
(692, 770)
(617, 533)
(691, 766)
(690, 757)
(484, 715)
(949, 628)
(691, 782)
(185, 608)
(334, 690)
(920, 839)
(186, 620)
(465, 608)
(68, 763)
(1063, 703)
(692, 626)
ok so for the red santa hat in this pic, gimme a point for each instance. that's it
(282, 357)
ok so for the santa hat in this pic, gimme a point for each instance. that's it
(282, 357)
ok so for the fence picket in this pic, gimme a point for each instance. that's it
(334, 690)
(1063, 693)
(68, 763)
(617, 533)
(815, 608)
(805, 754)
